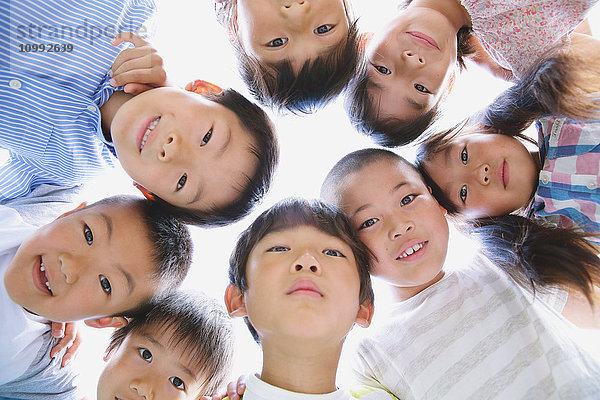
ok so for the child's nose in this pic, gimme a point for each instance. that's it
(413, 58)
(69, 268)
(295, 10)
(142, 388)
(169, 148)
(400, 227)
(483, 174)
(306, 262)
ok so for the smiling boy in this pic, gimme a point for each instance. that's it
(451, 334)
(300, 279)
(94, 263)
(63, 128)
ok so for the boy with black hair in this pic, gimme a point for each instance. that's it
(300, 278)
(98, 263)
(180, 346)
(470, 332)
(210, 154)
(295, 56)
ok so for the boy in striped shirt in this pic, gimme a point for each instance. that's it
(208, 157)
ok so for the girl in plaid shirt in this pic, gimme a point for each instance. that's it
(488, 171)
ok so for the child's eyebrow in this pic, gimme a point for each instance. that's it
(129, 278)
(392, 191)
(196, 196)
(109, 225)
(226, 143)
(447, 154)
(414, 104)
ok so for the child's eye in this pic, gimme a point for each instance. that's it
(323, 29)
(277, 42)
(206, 138)
(177, 382)
(407, 199)
(276, 249)
(382, 70)
(87, 234)
(333, 252)
(463, 193)
(368, 223)
(145, 354)
(464, 156)
(105, 284)
(421, 88)
(181, 182)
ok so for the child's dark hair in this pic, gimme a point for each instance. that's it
(277, 86)
(290, 213)
(169, 238)
(389, 131)
(196, 326)
(537, 255)
(266, 149)
(557, 85)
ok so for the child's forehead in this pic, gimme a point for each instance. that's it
(299, 231)
(392, 169)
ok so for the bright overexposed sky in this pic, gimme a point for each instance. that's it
(194, 46)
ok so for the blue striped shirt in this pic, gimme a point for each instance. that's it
(49, 100)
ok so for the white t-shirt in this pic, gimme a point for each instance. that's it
(256, 389)
(20, 331)
(476, 334)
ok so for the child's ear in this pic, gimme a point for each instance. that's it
(364, 39)
(203, 87)
(365, 313)
(72, 211)
(450, 84)
(147, 194)
(106, 322)
(234, 301)
(444, 211)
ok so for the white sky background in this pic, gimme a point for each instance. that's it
(194, 46)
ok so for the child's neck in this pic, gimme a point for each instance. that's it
(301, 367)
(451, 9)
(110, 108)
(402, 293)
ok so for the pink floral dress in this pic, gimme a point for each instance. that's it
(516, 33)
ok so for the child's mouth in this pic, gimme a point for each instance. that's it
(45, 284)
(503, 172)
(147, 132)
(412, 252)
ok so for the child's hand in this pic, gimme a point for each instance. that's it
(69, 336)
(234, 390)
(139, 68)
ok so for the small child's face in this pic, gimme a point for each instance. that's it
(410, 62)
(91, 263)
(302, 276)
(485, 174)
(144, 366)
(275, 30)
(188, 150)
(399, 221)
